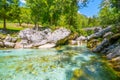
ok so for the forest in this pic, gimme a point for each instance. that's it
(55, 13)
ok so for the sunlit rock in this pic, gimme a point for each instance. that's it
(38, 38)
(48, 45)
(1, 44)
(9, 44)
(114, 53)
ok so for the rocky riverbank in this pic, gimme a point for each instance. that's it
(30, 38)
(107, 42)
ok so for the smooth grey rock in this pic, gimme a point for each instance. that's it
(95, 29)
(114, 53)
(18, 45)
(8, 38)
(40, 43)
(99, 48)
(28, 46)
(81, 38)
(9, 44)
(48, 45)
(107, 34)
(24, 42)
(59, 34)
(100, 34)
(14, 40)
(45, 36)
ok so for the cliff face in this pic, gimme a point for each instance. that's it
(107, 42)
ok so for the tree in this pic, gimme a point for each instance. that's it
(109, 13)
(51, 11)
(9, 9)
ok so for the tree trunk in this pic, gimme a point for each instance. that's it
(20, 23)
(4, 24)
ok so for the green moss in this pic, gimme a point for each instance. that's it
(114, 38)
(93, 43)
(65, 41)
(77, 73)
(115, 29)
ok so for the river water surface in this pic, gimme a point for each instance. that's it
(67, 63)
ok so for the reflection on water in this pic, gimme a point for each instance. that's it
(69, 63)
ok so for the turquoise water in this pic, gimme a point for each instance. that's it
(67, 63)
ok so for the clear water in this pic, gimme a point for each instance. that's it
(68, 63)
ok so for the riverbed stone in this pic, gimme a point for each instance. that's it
(38, 38)
(101, 46)
(48, 45)
(18, 45)
(99, 34)
(81, 38)
(108, 34)
(9, 44)
(114, 53)
(1, 44)
(14, 39)
(8, 38)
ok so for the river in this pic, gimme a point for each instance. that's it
(65, 63)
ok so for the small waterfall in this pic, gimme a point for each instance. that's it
(79, 43)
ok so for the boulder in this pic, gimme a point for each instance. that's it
(94, 29)
(28, 46)
(114, 52)
(38, 38)
(8, 38)
(108, 34)
(73, 42)
(81, 38)
(1, 44)
(99, 34)
(9, 44)
(92, 43)
(58, 34)
(40, 43)
(101, 46)
(18, 45)
(97, 29)
(14, 40)
(48, 45)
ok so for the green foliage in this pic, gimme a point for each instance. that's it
(109, 13)
(48, 12)
(82, 32)
(24, 16)
(9, 10)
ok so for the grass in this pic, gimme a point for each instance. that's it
(12, 26)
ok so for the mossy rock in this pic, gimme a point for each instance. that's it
(114, 38)
(77, 73)
(93, 43)
(66, 40)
